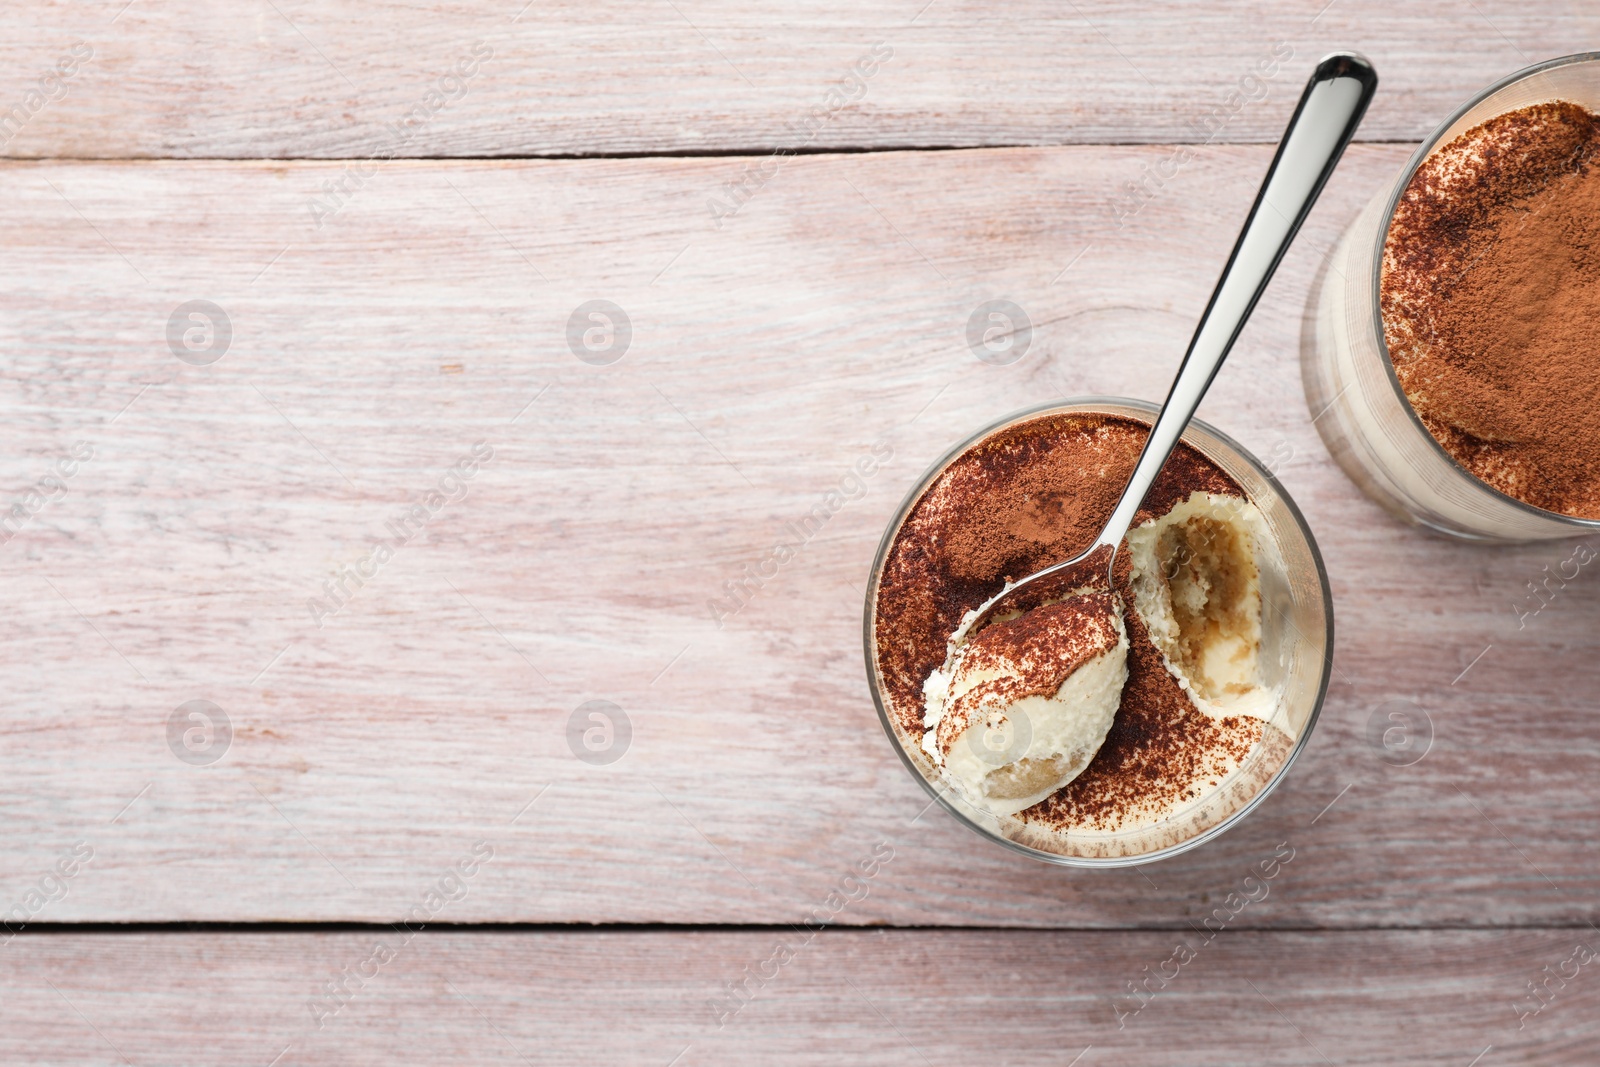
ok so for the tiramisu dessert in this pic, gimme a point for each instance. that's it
(1490, 297)
(1149, 708)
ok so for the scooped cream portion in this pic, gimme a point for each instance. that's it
(1019, 709)
(1197, 587)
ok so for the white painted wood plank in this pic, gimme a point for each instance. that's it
(861, 997)
(367, 356)
(291, 78)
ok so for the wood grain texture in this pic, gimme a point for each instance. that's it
(291, 78)
(372, 752)
(859, 997)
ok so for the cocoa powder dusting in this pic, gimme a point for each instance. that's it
(1032, 655)
(1034, 494)
(1491, 303)
(1160, 748)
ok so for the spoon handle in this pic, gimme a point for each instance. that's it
(1324, 121)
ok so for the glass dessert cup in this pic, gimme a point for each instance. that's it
(1296, 654)
(1356, 400)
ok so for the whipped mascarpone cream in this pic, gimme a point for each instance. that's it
(1019, 709)
(1197, 586)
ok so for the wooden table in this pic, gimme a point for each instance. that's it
(396, 832)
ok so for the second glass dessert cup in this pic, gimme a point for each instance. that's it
(1356, 400)
(1297, 649)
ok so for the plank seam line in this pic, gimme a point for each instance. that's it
(728, 153)
(52, 929)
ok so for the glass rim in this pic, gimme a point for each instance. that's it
(1417, 159)
(1103, 405)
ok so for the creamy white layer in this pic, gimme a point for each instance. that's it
(1197, 588)
(1004, 731)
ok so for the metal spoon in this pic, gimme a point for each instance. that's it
(1329, 111)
